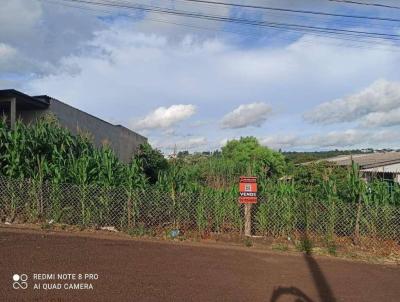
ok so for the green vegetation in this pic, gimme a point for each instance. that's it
(52, 174)
(247, 242)
(48, 152)
(305, 245)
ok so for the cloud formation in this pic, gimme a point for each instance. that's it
(18, 17)
(184, 144)
(41, 34)
(254, 114)
(370, 103)
(280, 141)
(7, 56)
(140, 65)
(382, 119)
(349, 138)
(136, 70)
(165, 117)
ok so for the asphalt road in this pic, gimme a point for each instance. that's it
(131, 270)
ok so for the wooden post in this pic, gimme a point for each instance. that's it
(247, 219)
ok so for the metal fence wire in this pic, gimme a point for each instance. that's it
(155, 212)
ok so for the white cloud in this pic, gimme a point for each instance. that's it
(382, 119)
(8, 56)
(169, 132)
(42, 33)
(90, 59)
(184, 144)
(223, 142)
(346, 138)
(6, 51)
(280, 141)
(254, 114)
(350, 138)
(165, 117)
(17, 17)
(13, 61)
(139, 72)
(380, 97)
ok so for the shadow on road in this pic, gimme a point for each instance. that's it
(324, 290)
(289, 291)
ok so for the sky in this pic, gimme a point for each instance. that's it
(195, 84)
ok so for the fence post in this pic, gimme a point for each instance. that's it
(247, 219)
(357, 223)
(129, 206)
(41, 198)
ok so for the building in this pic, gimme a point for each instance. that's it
(17, 105)
(382, 165)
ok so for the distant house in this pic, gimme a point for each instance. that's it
(382, 165)
(17, 105)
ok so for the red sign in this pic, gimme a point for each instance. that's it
(248, 189)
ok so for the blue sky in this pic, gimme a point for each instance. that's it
(197, 88)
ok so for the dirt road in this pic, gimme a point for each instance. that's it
(130, 270)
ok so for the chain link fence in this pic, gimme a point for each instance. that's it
(154, 212)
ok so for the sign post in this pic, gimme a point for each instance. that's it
(247, 196)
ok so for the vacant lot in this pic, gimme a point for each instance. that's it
(130, 270)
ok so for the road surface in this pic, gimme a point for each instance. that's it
(67, 267)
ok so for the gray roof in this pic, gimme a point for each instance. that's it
(395, 168)
(23, 100)
(367, 160)
(26, 102)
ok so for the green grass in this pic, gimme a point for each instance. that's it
(332, 248)
(248, 242)
(305, 245)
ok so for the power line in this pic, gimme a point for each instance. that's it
(293, 10)
(367, 4)
(312, 16)
(303, 18)
(291, 26)
(385, 47)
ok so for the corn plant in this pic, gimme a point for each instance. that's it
(356, 189)
(80, 170)
(133, 182)
(329, 188)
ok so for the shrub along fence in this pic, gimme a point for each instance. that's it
(155, 212)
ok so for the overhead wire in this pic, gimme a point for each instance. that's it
(298, 11)
(367, 4)
(291, 26)
(349, 42)
(306, 16)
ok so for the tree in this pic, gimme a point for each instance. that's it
(247, 151)
(182, 154)
(153, 162)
